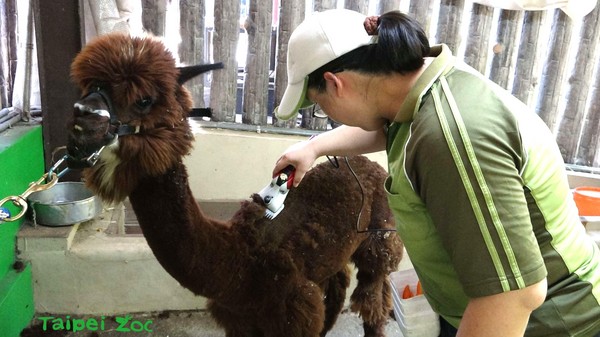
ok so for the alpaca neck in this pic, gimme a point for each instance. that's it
(183, 240)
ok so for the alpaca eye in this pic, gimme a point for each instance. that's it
(143, 103)
(95, 88)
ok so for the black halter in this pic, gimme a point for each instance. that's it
(90, 103)
(117, 128)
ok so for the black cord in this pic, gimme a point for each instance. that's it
(335, 163)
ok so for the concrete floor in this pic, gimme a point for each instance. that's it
(190, 324)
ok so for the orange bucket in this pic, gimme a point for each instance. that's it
(587, 200)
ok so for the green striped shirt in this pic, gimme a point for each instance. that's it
(482, 203)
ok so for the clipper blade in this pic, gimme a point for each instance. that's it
(274, 194)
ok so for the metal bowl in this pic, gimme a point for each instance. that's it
(64, 204)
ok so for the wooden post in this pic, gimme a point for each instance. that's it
(422, 10)
(589, 144)
(506, 45)
(11, 13)
(554, 66)
(478, 39)
(191, 49)
(361, 6)
(57, 44)
(223, 90)
(309, 121)
(290, 16)
(525, 82)
(256, 83)
(321, 5)
(449, 22)
(5, 76)
(154, 16)
(572, 121)
(384, 6)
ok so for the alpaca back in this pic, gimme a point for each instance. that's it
(320, 223)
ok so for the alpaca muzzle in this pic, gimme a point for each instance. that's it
(95, 126)
(99, 103)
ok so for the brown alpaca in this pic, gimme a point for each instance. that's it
(272, 278)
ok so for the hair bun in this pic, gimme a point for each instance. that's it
(371, 24)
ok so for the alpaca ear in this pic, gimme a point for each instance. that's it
(189, 72)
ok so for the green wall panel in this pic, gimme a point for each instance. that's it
(21, 162)
(16, 302)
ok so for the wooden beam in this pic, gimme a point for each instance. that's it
(58, 38)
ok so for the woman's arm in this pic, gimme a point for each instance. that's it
(341, 141)
(502, 315)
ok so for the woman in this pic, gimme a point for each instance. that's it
(476, 181)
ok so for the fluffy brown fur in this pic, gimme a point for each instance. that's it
(281, 277)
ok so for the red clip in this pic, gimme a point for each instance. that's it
(286, 176)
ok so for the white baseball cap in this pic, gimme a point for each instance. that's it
(319, 39)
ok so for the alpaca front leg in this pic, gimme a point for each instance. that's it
(371, 300)
(376, 257)
(375, 326)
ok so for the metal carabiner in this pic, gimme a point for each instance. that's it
(21, 200)
(54, 167)
(93, 158)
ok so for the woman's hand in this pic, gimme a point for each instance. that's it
(299, 155)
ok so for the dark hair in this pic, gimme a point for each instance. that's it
(401, 46)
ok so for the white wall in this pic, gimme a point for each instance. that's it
(231, 165)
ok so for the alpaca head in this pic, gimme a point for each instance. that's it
(133, 107)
